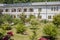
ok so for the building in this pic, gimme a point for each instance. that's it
(46, 10)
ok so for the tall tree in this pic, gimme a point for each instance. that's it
(8, 1)
(1, 1)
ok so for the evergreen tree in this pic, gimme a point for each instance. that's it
(8, 1)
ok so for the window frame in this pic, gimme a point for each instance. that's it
(54, 8)
(39, 9)
(31, 10)
(25, 10)
(19, 10)
(49, 17)
(13, 10)
(6, 10)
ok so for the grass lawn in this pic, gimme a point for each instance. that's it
(29, 33)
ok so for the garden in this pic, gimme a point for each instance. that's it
(30, 28)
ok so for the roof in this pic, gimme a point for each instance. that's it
(30, 4)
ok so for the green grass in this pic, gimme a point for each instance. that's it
(29, 33)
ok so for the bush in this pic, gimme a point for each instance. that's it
(50, 30)
(20, 28)
(23, 17)
(31, 16)
(56, 19)
(1, 36)
(6, 26)
(44, 21)
(16, 21)
(2, 33)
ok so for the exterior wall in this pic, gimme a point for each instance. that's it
(45, 11)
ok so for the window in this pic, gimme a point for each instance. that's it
(57, 8)
(6, 10)
(39, 9)
(13, 10)
(49, 17)
(1, 10)
(54, 8)
(25, 10)
(31, 10)
(19, 9)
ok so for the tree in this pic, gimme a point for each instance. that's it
(50, 30)
(8, 1)
(24, 1)
(56, 20)
(1, 1)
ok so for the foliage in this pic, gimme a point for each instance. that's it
(20, 28)
(56, 19)
(23, 17)
(50, 29)
(1, 36)
(34, 29)
(6, 26)
(1, 20)
(16, 21)
(31, 16)
(44, 21)
(23, 1)
(7, 18)
(2, 33)
(34, 22)
(8, 1)
(33, 37)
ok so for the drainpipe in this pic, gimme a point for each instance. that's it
(46, 9)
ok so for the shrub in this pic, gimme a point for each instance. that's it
(20, 28)
(23, 17)
(16, 21)
(6, 26)
(50, 30)
(34, 22)
(31, 17)
(44, 21)
(1, 36)
(2, 33)
(56, 19)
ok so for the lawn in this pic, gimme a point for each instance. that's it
(29, 33)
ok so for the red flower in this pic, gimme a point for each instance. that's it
(10, 33)
(43, 39)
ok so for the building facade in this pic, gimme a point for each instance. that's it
(46, 10)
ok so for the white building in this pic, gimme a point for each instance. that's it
(46, 9)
